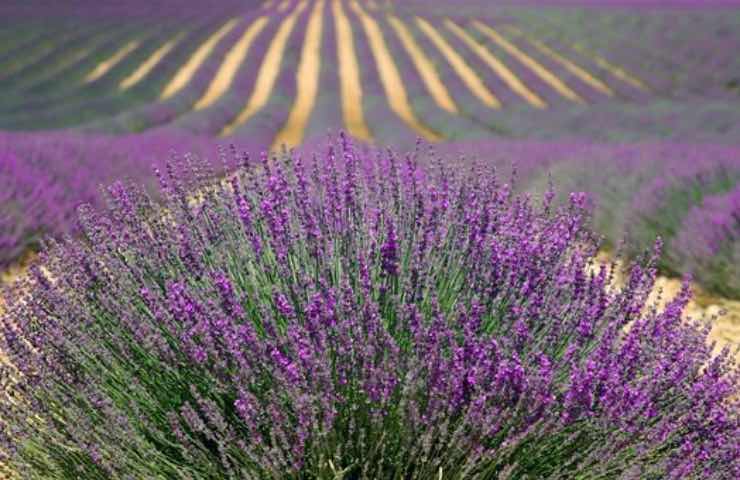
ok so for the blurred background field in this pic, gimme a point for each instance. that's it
(636, 103)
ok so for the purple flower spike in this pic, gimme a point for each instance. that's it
(363, 314)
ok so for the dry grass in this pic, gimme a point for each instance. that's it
(148, 65)
(350, 85)
(466, 73)
(106, 65)
(269, 71)
(424, 66)
(221, 83)
(570, 66)
(508, 77)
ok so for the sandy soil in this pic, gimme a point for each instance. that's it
(188, 70)
(307, 80)
(349, 76)
(725, 327)
(390, 77)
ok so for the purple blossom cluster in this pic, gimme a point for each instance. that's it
(353, 314)
(26, 189)
(662, 204)
(639, 192)
(708, 243)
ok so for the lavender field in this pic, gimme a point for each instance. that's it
(370, 239)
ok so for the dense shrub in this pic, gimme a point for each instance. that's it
(357, 315)
(709, 243)
(641, 192)
(28, 202)
(662, 205)
(45, 177)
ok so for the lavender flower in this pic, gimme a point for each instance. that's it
(343, 347)
(708, 244)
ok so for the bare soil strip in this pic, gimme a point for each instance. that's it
(186, 72)
(459, 65)
(283, 6)
(148, 65)
(349, 76)
(511, 80)
(579, 72)
(76, 56)
(424, 66)
(105, 66)
(393, 85)
(529, 62)
(614, 70)
(35, 54)
(723, 313)
(230, 66)
(269, 71)
(307, 82)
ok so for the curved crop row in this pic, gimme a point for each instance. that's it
(708, 243)
(641, 192)
(45, 177)
(76, 85)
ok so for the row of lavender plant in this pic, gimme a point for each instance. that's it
(354, 315)
(709, 243)
(626, 117)
(105, 106)
(44, 177)
(55, 97)
(640, 192)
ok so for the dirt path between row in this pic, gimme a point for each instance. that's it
(724, 312)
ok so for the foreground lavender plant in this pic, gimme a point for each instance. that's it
(358, 315)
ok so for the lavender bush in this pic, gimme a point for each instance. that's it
(640, 192)
(709, 243)
(661, 205)
(356, 315)
(45, 177)
(28, 190)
